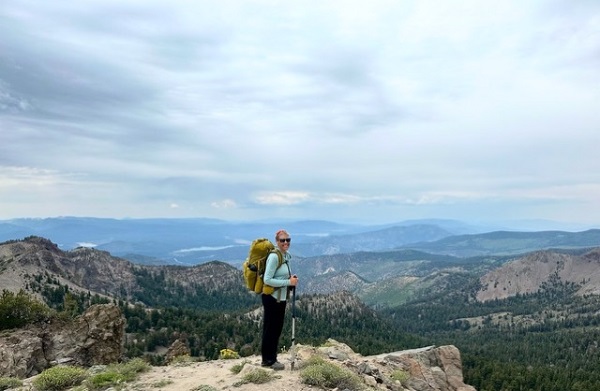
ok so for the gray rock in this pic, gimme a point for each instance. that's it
(94, 338)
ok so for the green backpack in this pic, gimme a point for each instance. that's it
(254, 266)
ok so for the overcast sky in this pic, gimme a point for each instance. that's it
(376, 111)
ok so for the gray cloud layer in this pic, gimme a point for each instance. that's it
(333, 110)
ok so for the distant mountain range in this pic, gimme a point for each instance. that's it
(196, 241)
(508, 243)
(384, 278)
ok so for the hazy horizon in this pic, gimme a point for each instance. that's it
(484, 225)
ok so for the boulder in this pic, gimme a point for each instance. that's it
(94, 338)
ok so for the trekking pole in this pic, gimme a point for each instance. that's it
(293, 327)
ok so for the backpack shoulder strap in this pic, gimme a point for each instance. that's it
(279, 257)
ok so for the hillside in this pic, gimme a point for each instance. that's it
(390, 278)
(539, 270)
(41, 268)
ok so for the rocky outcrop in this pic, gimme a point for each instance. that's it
(177, 349)
(431, 368)
(95, 337)
(426, 369)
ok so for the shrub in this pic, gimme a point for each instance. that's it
(237, 368)
(256, 376)
(104, 380)
(116, 374)
(131, 368)
(324, 374)
(399, 375)
(59, 378)
(18, 310)
(9, 382)
(312, 360)
(246, 350)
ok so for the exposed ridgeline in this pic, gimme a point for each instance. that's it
(39, 267)
(29, 263)
(541, 271)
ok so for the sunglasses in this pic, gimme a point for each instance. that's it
(285, 240)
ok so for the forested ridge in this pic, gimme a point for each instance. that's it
(209, 321)
(547, 341)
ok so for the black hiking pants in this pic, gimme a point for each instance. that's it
(274, 315)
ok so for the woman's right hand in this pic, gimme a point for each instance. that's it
(294, 280)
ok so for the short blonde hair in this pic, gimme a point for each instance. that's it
(281, 231)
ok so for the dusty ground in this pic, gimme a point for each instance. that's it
(191, 376)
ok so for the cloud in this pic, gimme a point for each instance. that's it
(282, 198)
(315, 109)
(224, 204)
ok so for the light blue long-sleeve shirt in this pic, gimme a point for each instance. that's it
(278, 277)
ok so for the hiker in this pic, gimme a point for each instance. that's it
(282, 279)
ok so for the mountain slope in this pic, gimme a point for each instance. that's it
(540, 270)
(38, 266)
